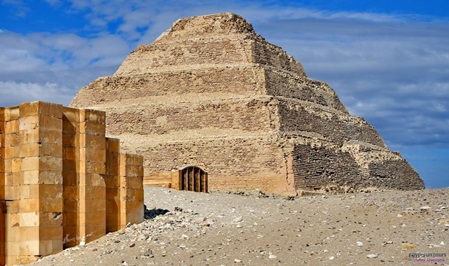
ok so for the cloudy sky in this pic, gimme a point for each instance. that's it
(387, 60)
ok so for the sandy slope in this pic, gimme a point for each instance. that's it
(186, 228)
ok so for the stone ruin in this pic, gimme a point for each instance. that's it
(62, 183)
(211, 93)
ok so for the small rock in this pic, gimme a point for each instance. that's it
(237, 261)
(359, 244)
(238, 219)
(425, 208)
(148, 253)
(387, 243)
(331, 258)
(407, 246)
(372, 256)
(271, 256)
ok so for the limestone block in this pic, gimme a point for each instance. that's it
(11, 193)
(135, 181)
(28, 233)
(94, 142)
(50, 177)
(29, 164)
(11, 114)
(48, 247)
(11, 137)
(51, 163)
(29, 150)
(12, 223)
(29, 219)
(29, 205)
(69, 154)
(50, 135)
(29, 247)
(95, 167)
(27, 123)
(29, 191)
(50, 191)
(17, 165)
(31, 136)
(70, 218)
(71, 115)
(70, 193)
(12, 251)
(50, 123)
(113, 145)
(41, 109)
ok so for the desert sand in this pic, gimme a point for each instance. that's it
(252, 228)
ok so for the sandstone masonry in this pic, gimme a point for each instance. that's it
(62, 182)
(210, 92)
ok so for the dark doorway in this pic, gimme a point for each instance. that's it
(193, 178)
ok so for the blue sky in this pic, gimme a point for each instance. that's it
(387, 60)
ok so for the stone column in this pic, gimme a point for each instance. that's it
(71, 153)
(92, 189)
(112, 180)
(33, 166)
(131, 189)
(175, 179)
(11, 184)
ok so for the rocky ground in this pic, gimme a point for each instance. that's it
(187, 228)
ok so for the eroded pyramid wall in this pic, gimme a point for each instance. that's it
(211, 92)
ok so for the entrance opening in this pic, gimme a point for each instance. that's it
(193, 178)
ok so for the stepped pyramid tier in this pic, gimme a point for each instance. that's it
(212, 93)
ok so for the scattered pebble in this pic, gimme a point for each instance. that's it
(186, 228)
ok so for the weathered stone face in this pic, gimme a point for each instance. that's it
(211, 92)
(62, 182)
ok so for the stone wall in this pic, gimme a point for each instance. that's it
(52, 180)
(219, 115)
(236, 80)
(326, 123)
(245, 163)
(291, 86)
(327, 169)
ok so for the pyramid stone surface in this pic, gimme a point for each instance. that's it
(211, 92)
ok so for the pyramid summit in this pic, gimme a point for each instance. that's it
(211, 92)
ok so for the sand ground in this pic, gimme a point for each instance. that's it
(188, 228)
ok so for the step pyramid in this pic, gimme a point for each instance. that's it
(212, 93)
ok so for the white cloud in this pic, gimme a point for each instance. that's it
(391, 69)
(19, 92)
